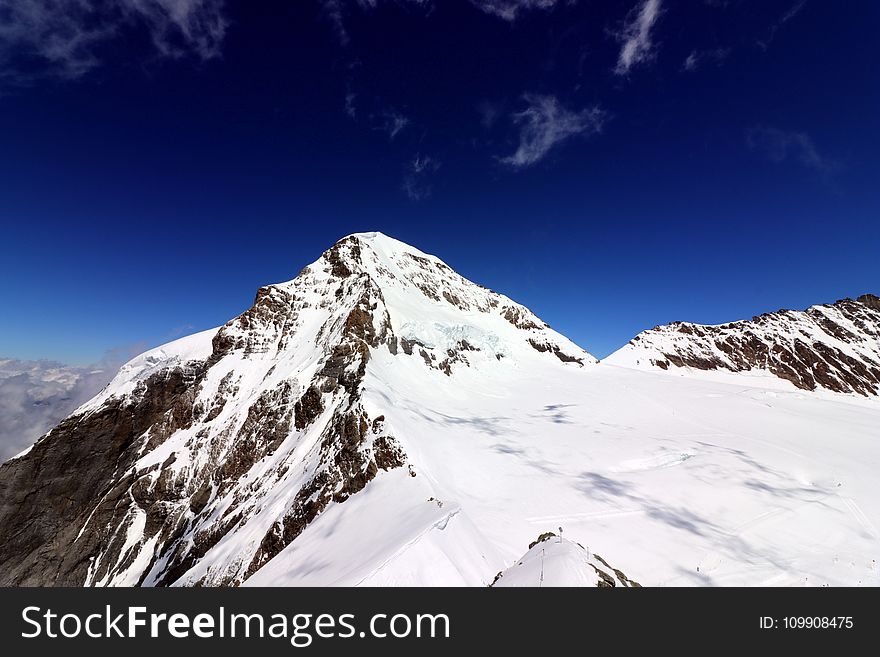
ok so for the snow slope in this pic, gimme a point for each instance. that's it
(660, 475)
(380, 420)
(556, 561)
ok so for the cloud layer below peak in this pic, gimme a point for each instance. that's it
(36, 395)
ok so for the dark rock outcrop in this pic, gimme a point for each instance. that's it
(544, 347)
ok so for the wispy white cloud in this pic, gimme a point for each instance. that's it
(63, 37)
(781, 146)
(335, 11)
(417, 179)
(180, 27)
(391, 122)
(789, 14)
(545, 123)
(350, 108)
(509, 10)
(700, 58)
(638, 45)
(793, 11)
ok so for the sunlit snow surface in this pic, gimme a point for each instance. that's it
(675, 481)
(556, 561)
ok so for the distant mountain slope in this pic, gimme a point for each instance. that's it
(834, 347)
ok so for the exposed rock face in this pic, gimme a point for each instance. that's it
(834, 347)
(205, 458)
(65, 481)
(555, 350)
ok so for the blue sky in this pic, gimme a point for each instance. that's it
(612, 165)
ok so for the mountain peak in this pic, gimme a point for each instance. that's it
(385, 244)
(384, 258)
(378, 247)
(416, 299)
(234, 440)
(382, 245)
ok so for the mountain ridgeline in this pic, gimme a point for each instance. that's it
(834, 347)
(380, 419)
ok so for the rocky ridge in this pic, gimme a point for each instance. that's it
(833, 347)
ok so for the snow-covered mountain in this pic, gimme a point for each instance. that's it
(832, 347)
(380, 420)
(216, 451)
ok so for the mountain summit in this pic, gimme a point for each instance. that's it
(380, 420)
(206, 457)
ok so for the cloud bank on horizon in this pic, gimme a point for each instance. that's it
(35, 395)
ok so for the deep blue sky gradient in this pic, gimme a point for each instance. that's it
(151, 197)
